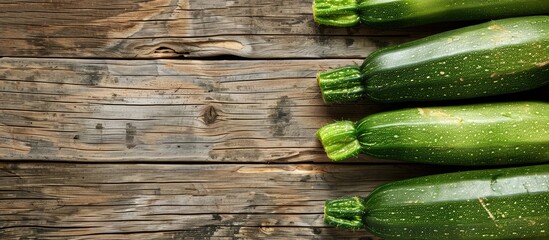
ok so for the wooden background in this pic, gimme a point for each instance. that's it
(170, 119)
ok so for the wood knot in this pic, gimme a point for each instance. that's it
(163, 49)
(217, 217)
(266, 230)
(267, 227)
(281, 116)
(210, 115)
(130, 135)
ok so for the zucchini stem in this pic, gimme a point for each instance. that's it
(345, 213)
(339, 13)
(341, 85)
(339, 140)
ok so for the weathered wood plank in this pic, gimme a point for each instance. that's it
(165, 110)
(103, 201)
(207, 232)
(183, 28)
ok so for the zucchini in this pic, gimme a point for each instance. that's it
(405, 13)
(498, 57)
(511, 203)
(479, 134)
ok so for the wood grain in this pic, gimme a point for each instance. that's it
(165, 110)
(146, 201)
(183, 28)
(168, 110)
(142, 147)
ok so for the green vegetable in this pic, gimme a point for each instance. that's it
(482, 134)
(498, 57)
(511, 203)
(404, 13)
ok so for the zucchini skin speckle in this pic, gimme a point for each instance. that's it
(477, 134)
(498, 57)
(508, 203)
(405, 13)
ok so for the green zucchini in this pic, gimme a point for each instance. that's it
(498, 57)
(511, 203)
(479, 134)
(405, 13)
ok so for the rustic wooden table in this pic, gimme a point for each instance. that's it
(189, 119)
